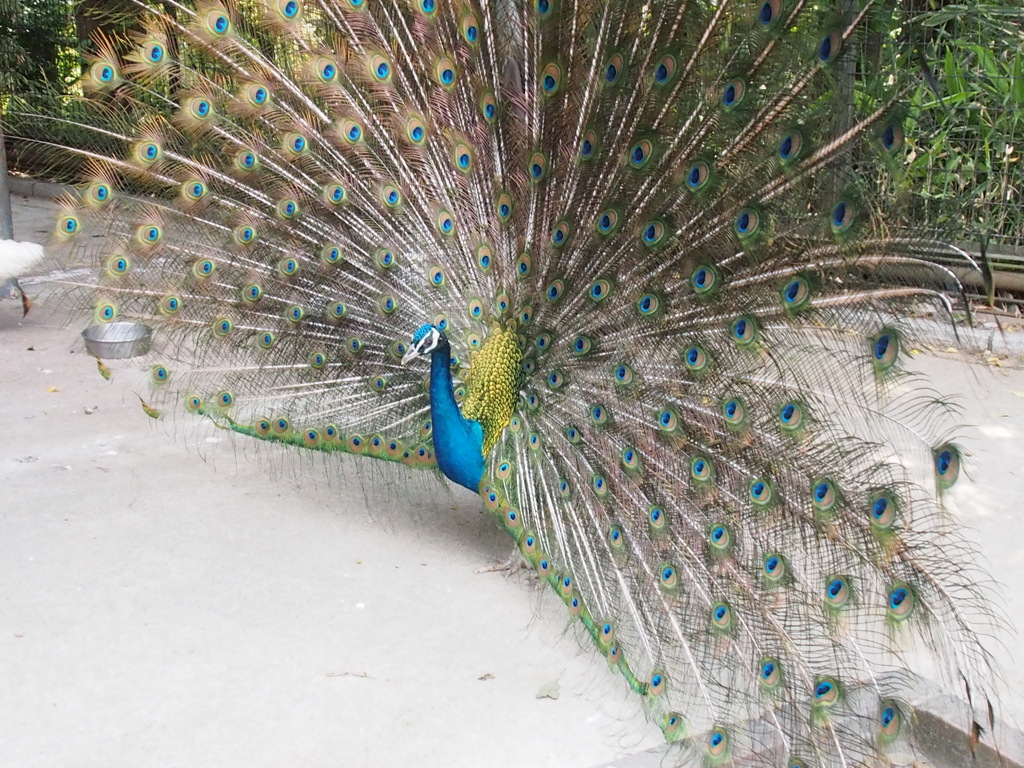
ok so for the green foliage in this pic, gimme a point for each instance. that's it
(38, 45)
(965, 165)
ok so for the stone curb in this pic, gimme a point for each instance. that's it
(46, 190)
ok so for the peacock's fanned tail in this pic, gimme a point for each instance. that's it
(690, 215)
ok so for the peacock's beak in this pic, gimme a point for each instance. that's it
(411, 354)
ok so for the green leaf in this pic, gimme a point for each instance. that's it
(955, 86)
(1018, 78)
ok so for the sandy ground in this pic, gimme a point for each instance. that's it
(167, 603)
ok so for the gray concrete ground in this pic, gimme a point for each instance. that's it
(170, 603)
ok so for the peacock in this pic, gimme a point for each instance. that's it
(643, 275)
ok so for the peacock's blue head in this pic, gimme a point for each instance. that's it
(424, 341)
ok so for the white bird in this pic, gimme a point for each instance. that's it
(16, 259)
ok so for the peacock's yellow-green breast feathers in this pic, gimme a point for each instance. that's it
(492, 384)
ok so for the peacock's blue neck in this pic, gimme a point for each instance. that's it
(458, 442)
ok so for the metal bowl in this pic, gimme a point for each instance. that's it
(115, 340)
